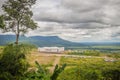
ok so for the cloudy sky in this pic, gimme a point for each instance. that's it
(77, 20)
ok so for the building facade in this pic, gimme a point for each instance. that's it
(51, 49)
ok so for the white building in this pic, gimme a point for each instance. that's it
(51, 49)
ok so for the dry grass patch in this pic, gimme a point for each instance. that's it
(40, 58)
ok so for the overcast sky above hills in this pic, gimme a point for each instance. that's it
(77, 20)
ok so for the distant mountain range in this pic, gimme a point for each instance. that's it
(37, 40)
(49, 41)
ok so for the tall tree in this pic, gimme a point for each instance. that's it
(18, 16)
(2, 25)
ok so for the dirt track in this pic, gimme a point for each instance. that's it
(57, 60)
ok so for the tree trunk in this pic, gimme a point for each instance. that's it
(17, 34)
(17, 38)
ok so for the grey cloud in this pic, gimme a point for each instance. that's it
(79, 11)
(116, 34)
(78, 20)
(83, 5)
(1, 3)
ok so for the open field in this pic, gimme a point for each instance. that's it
(43, 59)
(90, 69)
(49, 60)
(78, 67)
(73, 62)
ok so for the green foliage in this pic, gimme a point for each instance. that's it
(104, 48)
(39, 74)
(91, 52)
(13, 64)
(90, 69)
(114, 55)
(40, 69)
(43, 74)
(80, 74)
(57, 71)
(19, 16)
(86, 52)
(2, 25)
(112, 74)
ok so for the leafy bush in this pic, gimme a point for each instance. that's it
(57, 71)
(42, 74)
(13, 64)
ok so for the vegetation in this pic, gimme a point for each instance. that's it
(13, 61)
(94, 53)
(85, 52)
(90, 69)
(13, 64)
(18, 16)
(2, 25)
(57, 71)
(108, 48)
(114, 55)
(43, 74)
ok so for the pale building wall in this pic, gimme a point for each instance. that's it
(51, 49)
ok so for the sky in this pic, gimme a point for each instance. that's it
(77, 20)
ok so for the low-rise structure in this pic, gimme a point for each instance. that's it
(51, 49)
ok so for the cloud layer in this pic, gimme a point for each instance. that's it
(78, 20)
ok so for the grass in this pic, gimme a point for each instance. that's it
(46, 61)
(73, 62)
(1, 48)
(86, 68)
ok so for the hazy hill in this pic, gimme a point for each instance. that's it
(51, 41)
(37, 40)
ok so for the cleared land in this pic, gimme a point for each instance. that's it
(49, 60)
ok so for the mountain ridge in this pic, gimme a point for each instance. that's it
(42, 41)
(37, 40)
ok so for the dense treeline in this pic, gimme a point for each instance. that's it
(101, 47)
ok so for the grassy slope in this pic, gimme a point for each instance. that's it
(78, 67)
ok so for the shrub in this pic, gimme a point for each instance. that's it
(13, 64)
(43, 74)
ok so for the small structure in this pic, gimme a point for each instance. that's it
(51, 49)
(106, 59)
(109, 60)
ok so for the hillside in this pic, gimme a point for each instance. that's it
(38, 40)
(54, 41)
